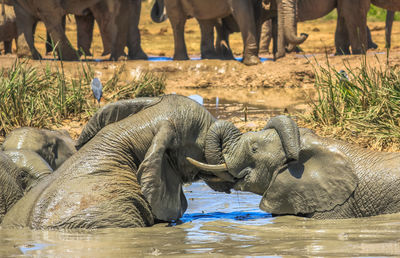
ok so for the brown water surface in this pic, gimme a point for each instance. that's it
(217, 224)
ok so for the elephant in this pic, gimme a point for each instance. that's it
(8, 27)
(123, 15)
(331, 179)
(54, 146)
(245, 13)
(20, 170)
(32, 163)
(310, 10)
(131, 172)
(85, 27)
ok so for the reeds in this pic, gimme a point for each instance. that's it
(362, 101)
(44, 96)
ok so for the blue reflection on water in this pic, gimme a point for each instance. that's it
(32, 247)
(165, 58)
(236, 215)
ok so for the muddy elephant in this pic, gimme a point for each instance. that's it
(54, 146)
(124, 15)
(19, 171)
(130, 174)
(330, 180)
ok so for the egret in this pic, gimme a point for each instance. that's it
(97, 89)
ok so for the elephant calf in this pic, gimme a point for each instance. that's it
(54, 146)
(19, 171)
(330, 180)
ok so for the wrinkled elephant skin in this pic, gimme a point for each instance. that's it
(130, 172)
(330, 180)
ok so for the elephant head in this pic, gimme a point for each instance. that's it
(250, 154)
(321, 179)
(53, 146)
(32, 164)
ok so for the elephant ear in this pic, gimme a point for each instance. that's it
(322, 178)
(112, 113)
(160, 183)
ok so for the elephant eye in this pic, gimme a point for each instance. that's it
(254, 148)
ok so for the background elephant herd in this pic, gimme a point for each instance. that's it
(129, 164)
(118, 22)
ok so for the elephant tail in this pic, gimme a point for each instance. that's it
(158, 12)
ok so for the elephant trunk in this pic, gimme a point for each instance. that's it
(158, 12)
(289, 17)
(220, 137)
(288, 133)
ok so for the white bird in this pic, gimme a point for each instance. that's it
(97, 89)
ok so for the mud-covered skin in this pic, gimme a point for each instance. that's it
(112, 113)
(32, 163)
(130, 174)
(331, 180)
(53, 146)
(10, 188)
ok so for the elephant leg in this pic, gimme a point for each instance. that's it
(341, 37)
(7, 47)
(356, 24)
(266, 35)
(245, 17)
(26, 25)
(207, 39)
(135, 50)
(85, 26)
(388, 27)
(223, 28)
(177, 19)
(49, 42)
(371, 44)
(119, 29)
(103, 19)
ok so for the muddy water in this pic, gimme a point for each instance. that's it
(217, 224)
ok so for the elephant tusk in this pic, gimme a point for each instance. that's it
(219, 170)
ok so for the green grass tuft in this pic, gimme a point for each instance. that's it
(367, 104)
(44, 96)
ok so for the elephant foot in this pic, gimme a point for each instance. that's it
(36, 55)
(139, 55)
(69, 55)
(209, 55)
(226, 54)
(181, 57)
(342, 51)
(251, 60)
(372, 45)
(105, 53)
(264, 52)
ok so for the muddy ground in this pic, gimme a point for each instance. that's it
(248, 96)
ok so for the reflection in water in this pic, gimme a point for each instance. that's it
(218, 224)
